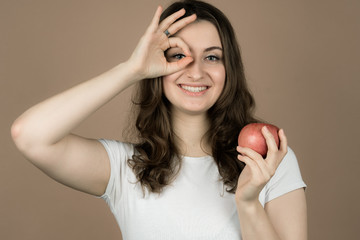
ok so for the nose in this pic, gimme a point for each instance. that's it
(194, 70)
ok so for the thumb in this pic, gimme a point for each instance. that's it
(178, 65)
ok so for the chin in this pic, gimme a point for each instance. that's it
(193, 110)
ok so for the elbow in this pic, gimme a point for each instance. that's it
(16, 132)
(22, 139)
(29, 144)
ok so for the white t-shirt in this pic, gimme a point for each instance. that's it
(195, 206)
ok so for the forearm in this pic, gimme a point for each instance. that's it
(53, 119)
(254, 222)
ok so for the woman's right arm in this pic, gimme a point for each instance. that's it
(43, 132)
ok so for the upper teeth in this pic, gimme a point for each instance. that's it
(194, 89)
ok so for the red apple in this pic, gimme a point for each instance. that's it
(251, 136)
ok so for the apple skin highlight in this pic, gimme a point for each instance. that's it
(251, 137)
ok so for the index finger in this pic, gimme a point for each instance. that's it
(155, 21)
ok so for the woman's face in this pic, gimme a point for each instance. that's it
(196, 88)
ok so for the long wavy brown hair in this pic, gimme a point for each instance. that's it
(157, 159)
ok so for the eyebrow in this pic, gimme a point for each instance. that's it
(212, 48)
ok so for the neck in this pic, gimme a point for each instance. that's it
(190, 130)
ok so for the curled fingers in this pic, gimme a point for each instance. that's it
(266, 171)
(257, 176)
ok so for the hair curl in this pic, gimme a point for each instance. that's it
(157, 161)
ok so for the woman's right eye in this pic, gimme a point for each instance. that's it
(178, 56)
(172, 57)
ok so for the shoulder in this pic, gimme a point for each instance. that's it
(117, 149)
(289, 163)
(286, 178)
(288, 168)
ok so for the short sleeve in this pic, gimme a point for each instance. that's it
(118, 153)
(286, 179)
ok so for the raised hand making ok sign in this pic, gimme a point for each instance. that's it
(148, 60)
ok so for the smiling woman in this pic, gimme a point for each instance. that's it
(223, 108)
(184, 178)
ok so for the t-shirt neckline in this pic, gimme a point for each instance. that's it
(206, 157)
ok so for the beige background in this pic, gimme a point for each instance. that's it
(302, 63)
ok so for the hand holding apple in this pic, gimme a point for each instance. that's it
(251, 136)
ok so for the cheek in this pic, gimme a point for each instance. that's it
(168, 82)
(218, 76)
(165, 86)
(171, 78)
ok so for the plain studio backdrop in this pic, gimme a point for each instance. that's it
(301, 60)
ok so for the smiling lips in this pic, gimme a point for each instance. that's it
(193, 90)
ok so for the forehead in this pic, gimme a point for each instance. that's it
(200, 34)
